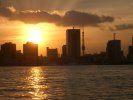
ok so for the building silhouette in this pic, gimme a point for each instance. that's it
(30, 49)
(64, 51)
(8, 50)
(19, 57)
(71, 53)
(8, 53)
(94, 59)
(52, 56)
(64, 59)
(73, 45)
(114, 52)
(30, 53)
(130, 53)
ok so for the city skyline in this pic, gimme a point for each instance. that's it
(74, 41)
(72, 53)
(100, 20)
(60, 48)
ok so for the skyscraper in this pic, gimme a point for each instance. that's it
(73, 45)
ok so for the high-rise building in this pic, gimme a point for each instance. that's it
(30, 53)
(8, 50)
(114, 52)
(73, 45)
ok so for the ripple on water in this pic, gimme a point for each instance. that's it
(66, 83)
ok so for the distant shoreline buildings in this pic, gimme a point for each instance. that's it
(71, 53)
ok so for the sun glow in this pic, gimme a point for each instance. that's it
(34, 35)
(41, 34)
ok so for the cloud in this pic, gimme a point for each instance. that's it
(124, 26)
(6, 11)
(70, 18)
(81, 18)
(121, 27)
(62, 5)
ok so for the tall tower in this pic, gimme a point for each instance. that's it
(83, 43)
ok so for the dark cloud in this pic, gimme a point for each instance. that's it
(6, 11)
(82, 18)
(70, 18)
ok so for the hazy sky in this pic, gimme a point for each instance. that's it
(100, 17)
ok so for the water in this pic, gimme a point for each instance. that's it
(66, 83)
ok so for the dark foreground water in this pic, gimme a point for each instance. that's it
(66, 83)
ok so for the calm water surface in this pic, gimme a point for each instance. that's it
(66, 83)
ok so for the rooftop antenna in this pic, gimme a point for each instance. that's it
(73, 27)
(83, 43)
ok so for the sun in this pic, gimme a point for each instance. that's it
(35, 35)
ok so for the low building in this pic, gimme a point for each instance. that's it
(52, 55)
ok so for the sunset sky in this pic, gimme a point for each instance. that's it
(21, 20)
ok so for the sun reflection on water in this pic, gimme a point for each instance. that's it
(36, 81)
